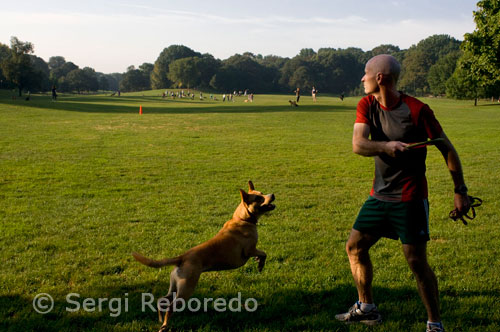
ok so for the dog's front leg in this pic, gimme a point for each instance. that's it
(260, 257)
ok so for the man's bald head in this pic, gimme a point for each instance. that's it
(385, 64)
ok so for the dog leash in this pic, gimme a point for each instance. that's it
(474, 202)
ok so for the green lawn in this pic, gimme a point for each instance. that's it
(87, 180)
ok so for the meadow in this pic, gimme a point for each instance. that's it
(86, 180)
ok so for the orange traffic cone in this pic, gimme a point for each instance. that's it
(140, 109)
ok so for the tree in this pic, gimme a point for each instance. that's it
(56, 62)
(81, 80)
(207, 67)
(59, 68)
(41, 70)
(134, 80)
(419, 59)
(159, 79)
(462, 85)
(441, 71)
(4, 55)
(184, 72)
(341, 69)
(481, 59)
(103, 82)
(18, 67)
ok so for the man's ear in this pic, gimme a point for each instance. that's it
(244, 196)
(250, 186)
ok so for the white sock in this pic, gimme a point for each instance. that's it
(366, 307)
(438, 324)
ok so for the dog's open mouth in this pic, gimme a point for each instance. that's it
(267, 207)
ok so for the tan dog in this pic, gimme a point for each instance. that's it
(293, 103)
(231, 248)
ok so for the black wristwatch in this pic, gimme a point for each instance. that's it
(461, 189)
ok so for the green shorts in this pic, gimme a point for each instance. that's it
(406, 220)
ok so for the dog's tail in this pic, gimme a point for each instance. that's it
(154, 263)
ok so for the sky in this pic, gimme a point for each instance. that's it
(109, 36)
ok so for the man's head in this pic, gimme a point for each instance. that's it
(381, 70)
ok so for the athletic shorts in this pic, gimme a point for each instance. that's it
(406, 220)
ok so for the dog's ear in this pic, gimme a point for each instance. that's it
(250, 186)
(244, 196)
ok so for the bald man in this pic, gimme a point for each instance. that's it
(387, 122)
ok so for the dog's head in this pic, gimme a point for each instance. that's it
(255, 202)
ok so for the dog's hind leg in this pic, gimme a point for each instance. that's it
(164, 302)
(185, 280)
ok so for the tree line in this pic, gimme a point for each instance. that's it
(437, 65)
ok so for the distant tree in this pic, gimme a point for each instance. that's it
(288, 70)
(91, 82)
(75, 80)
(103, 82)
(419, 59)
(462, 85)
(4, 54)
(114, 80)
(42, 70)
(307, 53)
(56, 62)
(342, 69)
(184, 72)
(240, 72)
(393, 50)
(481, 60)
(303, 78)
(18, 67)
(146, 70)
(207, 67)
(159, 79)
(81, 80)
(59, 69)
(134, 80)
(385, 49)
(441, 71)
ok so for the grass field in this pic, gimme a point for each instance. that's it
(87, 180)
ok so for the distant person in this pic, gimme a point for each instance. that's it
(54, 93)
(397, 208)
(28, 96)
(297, 94)
(119, 93)
(341, 96)
(313, 93)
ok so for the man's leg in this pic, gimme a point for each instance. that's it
(357, 248)
(364, 310)
(416, 256)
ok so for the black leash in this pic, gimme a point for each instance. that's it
(474, 202)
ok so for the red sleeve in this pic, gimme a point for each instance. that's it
(430, 123)
(423, 117)
(362, 110)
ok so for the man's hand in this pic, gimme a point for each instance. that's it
(462, 204)
(393, 147)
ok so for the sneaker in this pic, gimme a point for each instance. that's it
(434, 328)
(373, 317)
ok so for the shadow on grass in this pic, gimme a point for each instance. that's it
(290, 310)
(489, 105)
(103, 104)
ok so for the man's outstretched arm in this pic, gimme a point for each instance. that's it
(452, 160)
